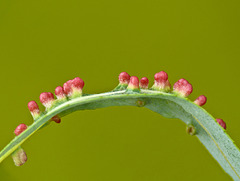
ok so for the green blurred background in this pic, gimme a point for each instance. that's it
(44, 43)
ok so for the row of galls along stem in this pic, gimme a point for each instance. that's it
(73, 88)
(161, 83)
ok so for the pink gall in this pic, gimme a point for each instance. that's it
(133, 83)
(67, 88)
(221, 123)
(161, 82)
(144, 83)
(73, 87)
(201, 100)
(183, 88)
(124, 78)
(161, 76)
(20, 128)
(77, 83)
(46, 98)
(183, 81)
(59, 92)
(34, 109)
(33, 106)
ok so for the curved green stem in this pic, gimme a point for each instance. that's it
(169, 105)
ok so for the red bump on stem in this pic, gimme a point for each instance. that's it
(133, 83)
(73, 86)
(33, 107)
(20, 128)
(221, 122)
(161, 82)
(144, 83)
(59, 92)
(161, 77)
(124, 78)
(78, 83)
(57, 119)
(50, 95)
(183, 81)
(67, 88)
(46, 98)
(183, 87)
(201, 100)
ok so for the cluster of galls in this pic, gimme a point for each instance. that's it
(70, 89)
(161, 83)
(73, 88)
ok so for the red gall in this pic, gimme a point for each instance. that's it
(144, 83)
(124, 78)
(221, 123)
(46, 98)
(201, 100)
(133, 83)
(73, 87)
(56, 119)
(161, 82)
(34, 109)
(183, 88)
(59, 92)
(20, 128)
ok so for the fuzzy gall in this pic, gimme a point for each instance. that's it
(19, 157)
(144, 83)
(201, 100)
(133, 83)
(124, 78)
(46, 98)
(34, 109)
(183, 88)
(20, 128)
(73, 88)
(161, 82)
(59, 92)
